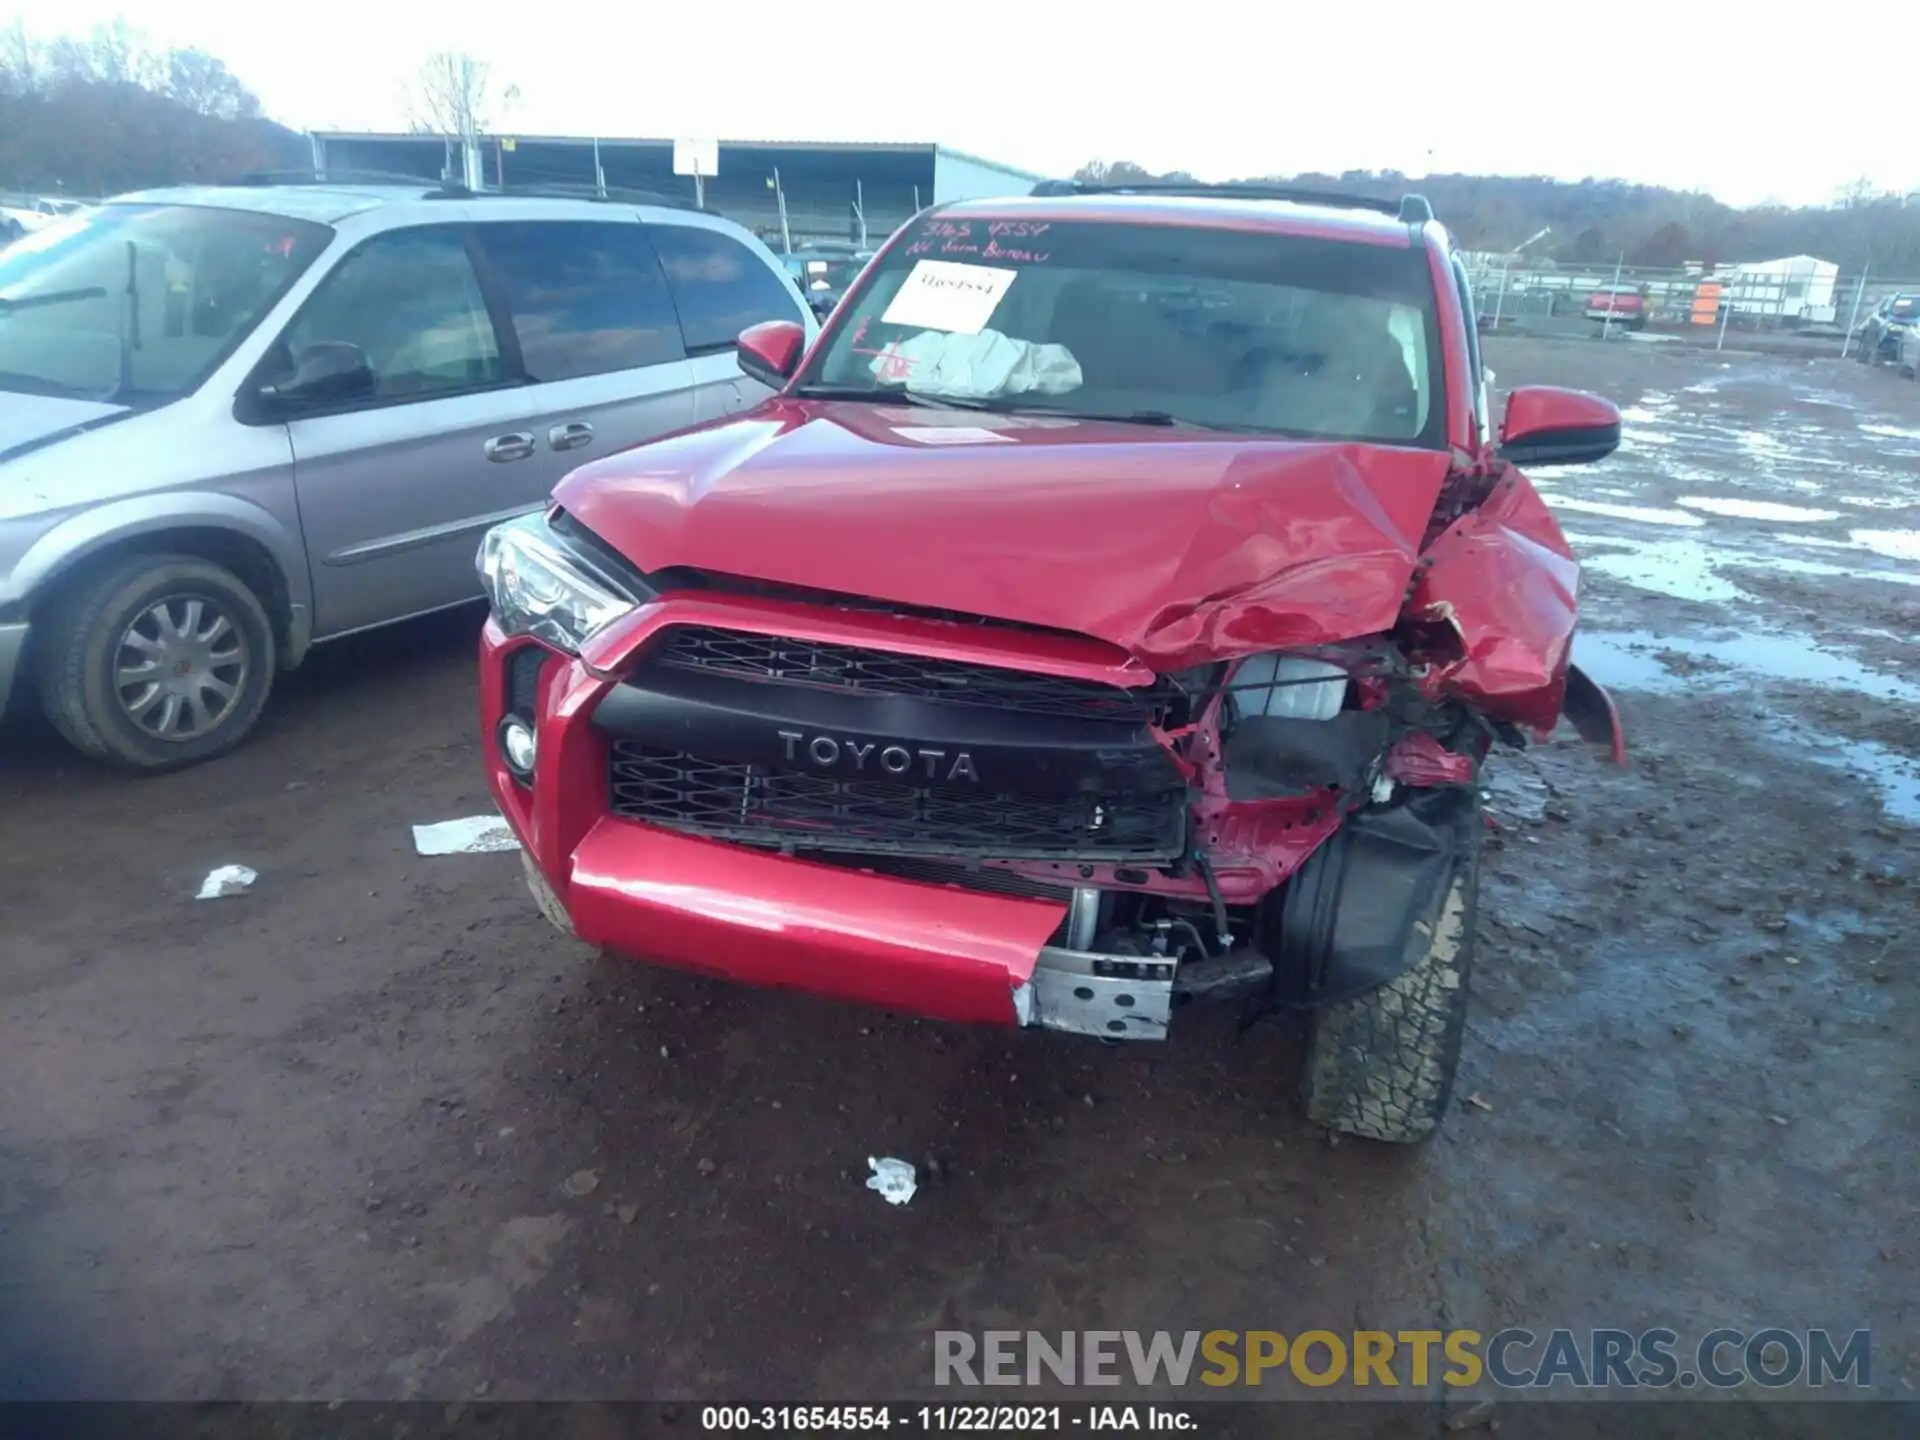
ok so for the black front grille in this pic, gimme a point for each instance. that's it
(785, 808)
(881, 672)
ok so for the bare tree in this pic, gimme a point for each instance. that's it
(202, 83)
(453, 95)
(21, 63)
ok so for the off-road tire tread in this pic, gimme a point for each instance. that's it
(1382, 1064)
(63, 645)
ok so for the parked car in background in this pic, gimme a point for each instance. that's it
(1908, 355)
(824, 272)
(1623, 305)
(23, 214)
(1878, 337)
(238, 421)
(1114, 610)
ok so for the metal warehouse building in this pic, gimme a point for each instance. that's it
(826, 188)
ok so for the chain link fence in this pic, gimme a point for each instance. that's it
(1803, 301)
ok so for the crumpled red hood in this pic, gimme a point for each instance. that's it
(1178, 546)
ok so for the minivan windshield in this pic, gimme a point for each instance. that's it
(139, 303)
(1165, 324)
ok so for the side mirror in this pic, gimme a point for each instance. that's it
(324, 373)
(1545, 425)
(770, 351)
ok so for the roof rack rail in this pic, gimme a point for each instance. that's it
(1409, 209)
(335, 176)
(614, 194)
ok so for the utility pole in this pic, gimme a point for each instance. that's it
(1507, 264)
(1606, 322)
(1853, 316)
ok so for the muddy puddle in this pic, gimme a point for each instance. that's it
(1729, 663)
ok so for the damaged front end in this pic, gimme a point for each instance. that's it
(1334, 790)
(1080, 826)
(1330, 798)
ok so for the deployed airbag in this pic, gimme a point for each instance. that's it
(980, 367)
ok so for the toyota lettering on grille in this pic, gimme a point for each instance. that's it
(834, 752)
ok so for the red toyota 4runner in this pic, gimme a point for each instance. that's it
(1113, 610)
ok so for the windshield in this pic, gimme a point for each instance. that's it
(1167, 324)
(1906, 306)
(139, 303)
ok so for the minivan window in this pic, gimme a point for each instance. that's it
(411, 301)
(1164, 324)
(586, 297)
(140, 303)
(719, 286)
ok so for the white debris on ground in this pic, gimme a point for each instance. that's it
(894, 1179)
(1513, 794)
(226, 880)
(475, 835)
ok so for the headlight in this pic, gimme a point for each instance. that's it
(1289, 687)
(541, 589)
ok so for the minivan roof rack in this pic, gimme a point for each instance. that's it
(449, 188)
(614, 194)
(334, 176)
(1409, 209)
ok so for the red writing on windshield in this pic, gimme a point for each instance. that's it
(974, 250)
(889, 364)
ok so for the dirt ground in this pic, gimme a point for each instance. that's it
(372, 1130)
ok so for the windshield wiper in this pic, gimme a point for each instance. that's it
(874, 394)
(1014, 405)
(52, 297)
(1118, 417)
(1000, 405)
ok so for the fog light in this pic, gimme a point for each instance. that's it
(517, 745)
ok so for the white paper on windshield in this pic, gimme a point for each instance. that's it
(942, 295)
(950, 435)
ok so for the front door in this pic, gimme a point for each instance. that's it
(396, 490)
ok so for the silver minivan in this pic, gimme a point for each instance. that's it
(239, 421)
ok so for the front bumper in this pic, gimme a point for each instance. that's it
(13, 653)
(763, 918)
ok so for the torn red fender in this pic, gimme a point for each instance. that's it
(1422, 761)
(1590, 710)
(1503, 579)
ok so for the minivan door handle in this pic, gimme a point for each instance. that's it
(570, 437)
(502, 448)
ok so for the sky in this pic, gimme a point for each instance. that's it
(1744, 109)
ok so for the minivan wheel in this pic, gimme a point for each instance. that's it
(1382, 1064)
(156, 662)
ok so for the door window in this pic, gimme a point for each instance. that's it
(720, 287)
(586, 298)
(411, 301)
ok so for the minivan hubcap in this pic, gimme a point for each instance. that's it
(180, 668)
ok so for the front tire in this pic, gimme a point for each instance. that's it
(1382, 1064)
(156, 662)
